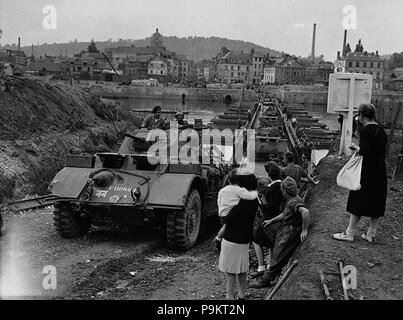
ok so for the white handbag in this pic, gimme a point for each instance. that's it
(349, 176)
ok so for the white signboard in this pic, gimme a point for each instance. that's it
(346, 92)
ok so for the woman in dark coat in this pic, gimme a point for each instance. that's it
(234, 254)
(370, 200)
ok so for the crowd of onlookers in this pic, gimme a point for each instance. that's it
(283, 217)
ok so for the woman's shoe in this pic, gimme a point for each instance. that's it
(343, 237)
(368, 238)
(256, 274)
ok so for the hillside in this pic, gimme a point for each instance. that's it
(40, 122)
(197, 48)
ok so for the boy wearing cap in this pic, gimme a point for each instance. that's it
(294, 228)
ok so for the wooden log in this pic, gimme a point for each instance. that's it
(342, 281)
(281, 281)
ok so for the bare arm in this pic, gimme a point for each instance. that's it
(306, 176)
(247, 195)
(305, 222)
(275, 219)
(311, 180)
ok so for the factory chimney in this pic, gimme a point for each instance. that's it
(313, 41)
(344, 44)
(19, 43)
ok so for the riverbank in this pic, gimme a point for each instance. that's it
(41, 122)
(116, 91)
(379, 272)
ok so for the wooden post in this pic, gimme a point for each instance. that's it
(394, 124)
(345, 293)
(399, 166)
(347, 129)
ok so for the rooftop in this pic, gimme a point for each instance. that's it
(397, 70)
(40, 66)
(398, 79)
(290, 63)
(236, 58)
(359, 56)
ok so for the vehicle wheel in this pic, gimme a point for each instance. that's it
(67, 223)
(183, 227)
(2, 227)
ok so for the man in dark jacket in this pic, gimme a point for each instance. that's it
(154, 121)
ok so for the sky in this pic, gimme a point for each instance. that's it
(284, 25)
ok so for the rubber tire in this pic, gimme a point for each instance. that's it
(178, 237)
(67, 223)
(2, 226)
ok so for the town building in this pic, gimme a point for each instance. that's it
(13, 62)
(396, 73)
(257, 66)
(183, 67)
(233, 67)
(6, 69)
(205, 71)
(158, 67)
(132, 60)
(15, 57)
(396, 84)
(44, 68)
(79, 67)
(361, 61)
(288, 71)
(138, 68)
(318, 73)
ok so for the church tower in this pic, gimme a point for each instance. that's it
(157, 40)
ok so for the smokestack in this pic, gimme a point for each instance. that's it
(313, 41)
(32, 51)
(344, 44)
(19, 43)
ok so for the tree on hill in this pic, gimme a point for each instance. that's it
(197, 48)
(395, 61)
(92, 48)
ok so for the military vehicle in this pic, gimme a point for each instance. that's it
(127, 189)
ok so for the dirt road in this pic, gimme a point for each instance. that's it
(117, 264)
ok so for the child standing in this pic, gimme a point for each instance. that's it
(229, 197)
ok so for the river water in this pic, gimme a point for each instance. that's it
(197, 109)
(208, 110)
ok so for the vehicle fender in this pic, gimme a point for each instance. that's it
(69, 182)
(171, 189)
